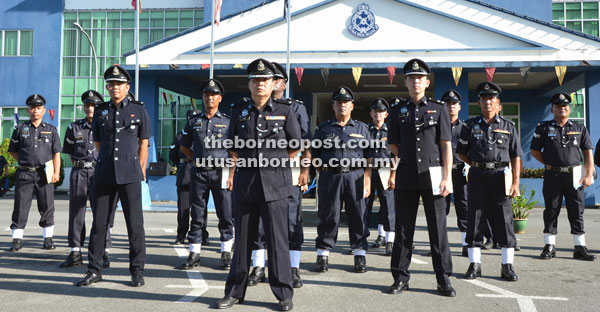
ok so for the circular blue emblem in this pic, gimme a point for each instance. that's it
(403, 110)
(362, 23)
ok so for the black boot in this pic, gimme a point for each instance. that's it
(16, 245)
(296, 280)
(225, 260)
(322, 264)
(72, 260)
(582, 253)
(192, 261)
(379, 241)
(48, 243)
(360, 264)
(549, 252)
(256, 276)
(474, 271)
(508, 273)
(105, 260)
(389, 246)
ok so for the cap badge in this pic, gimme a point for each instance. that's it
(486, 87)
(35, 96)
(415, 66)
(91, 94)
(342, 91)
(115, 71)
(561, 96)
(211, 83)
(260, 66)
(451, 94)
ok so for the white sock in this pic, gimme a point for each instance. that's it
(508, 255)
(48, 232)
(380, 230)
(323, 252)
(463, 238)
(360, 252)
(549, 239)
(579, 240)
(195, 248)
(295, 258)
(75, 249)
(17, 233)
(259, 258)
(226, 246)
(389, 237)
(475, 255)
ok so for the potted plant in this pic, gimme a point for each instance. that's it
(521, 205)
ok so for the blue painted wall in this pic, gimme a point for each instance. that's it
(540, 9)
(444, 81)
(40, 73)
(592, 94)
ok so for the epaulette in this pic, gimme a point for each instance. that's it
(361, 123)
(435, 101)
(136, 102)
(324, 124)
(284, 101)
(242, 102)
(398, 101)
(507, 120)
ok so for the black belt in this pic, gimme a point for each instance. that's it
(559, 169)
(489, 165)
(458, 166)
(340, 169)
(84, 164)
(31, 168)
(207, 168)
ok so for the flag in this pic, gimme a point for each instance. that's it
(238, 66)
(325, 74)
(134, 4)
(525, 73)
(217, 5)
(205, 66)
(299, 72)
(286, 7)
(52, 112)
(356, 71)
(165, 98)
(489, 71)
(456, 73)
(193, 102)
(561, 71)
(391, 73)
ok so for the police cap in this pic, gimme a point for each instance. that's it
(35, 100)
(92, 97)
(213, 86)
(451, 96)
(488, 88)
(560, 99)
(260, 68)
(116, 73)
(343, 93)
(280, 72)
(380, 104)
(416, 67)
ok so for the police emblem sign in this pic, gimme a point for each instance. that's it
(362, 22)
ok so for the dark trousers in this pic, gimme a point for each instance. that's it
(274, 215)
(202, 184)
(183, 211)
(387, 214)
(131, 200)
(557, 185)
(335, 189)
(407, 204)
(460, 195)
(488, 199)
(80, 190)
(27, 184)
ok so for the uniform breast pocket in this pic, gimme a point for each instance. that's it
(430, 121)
(44, 139)
(131, 125)
(274, 129)
(502, 141)
(243, 129)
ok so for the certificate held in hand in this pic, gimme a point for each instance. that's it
(49, 170)
(437, 174)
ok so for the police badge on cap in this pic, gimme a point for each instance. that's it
(380, 104)
(35, 100)
(451, 96)
(260, 68)
(343, 93)
(213, 86)
(91, 97)
(416, 67)
(560, 99)
(116, 73)
(488, 88)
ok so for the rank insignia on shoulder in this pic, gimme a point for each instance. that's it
(501, 131)
(274, 117)
(535, 135)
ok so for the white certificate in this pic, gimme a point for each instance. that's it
(295, 175)
(508, 179)
(437, 173)
(224, 177)
(384, 176)
(49, 170)
(578, 173)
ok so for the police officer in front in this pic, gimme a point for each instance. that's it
(207, 176)
(420, 135)
(33, 143)
(184, 168)
(558, 144)
(382, 157)
(344, 178)
(261, 192)
(490, 144)
(79, 145)
(121, 128)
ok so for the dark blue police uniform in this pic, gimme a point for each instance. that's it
(34, 146)
(184, 168)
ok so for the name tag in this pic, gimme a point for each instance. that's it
(220, 126)
(274, 117)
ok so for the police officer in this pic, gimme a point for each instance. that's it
(121, 128)
(345, 165)
(79, 145)
(382, 157)
(184, 168)
(296, 231)
(208, 128)
(261, 192)
(558, 144)
(420, 135)
(490, 144)
(33, 143)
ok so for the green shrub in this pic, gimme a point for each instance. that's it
(522, 204)
(532, 173)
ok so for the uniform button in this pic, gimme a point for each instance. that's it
(117, 113)
(260, 134)
(116, 148)
(118, 130)
(418, 149)
(418, 139)
(490, 148)
(35, 146)
(117, 140)
(116, 158)
(419, 160)
(416, 118)
(117, 121)
(259, 125)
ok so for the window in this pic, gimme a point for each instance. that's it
(16, 43)
(578, 106)
(577, 15)
(510, 111)
(9, 119)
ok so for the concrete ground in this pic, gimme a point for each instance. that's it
(30, 280)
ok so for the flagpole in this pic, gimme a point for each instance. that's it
(137, 49)
(212, 38)
(288, 17)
